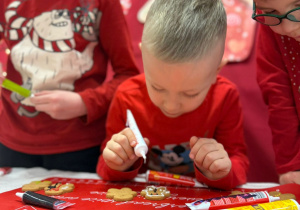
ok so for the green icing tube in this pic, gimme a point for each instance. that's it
(10, 85)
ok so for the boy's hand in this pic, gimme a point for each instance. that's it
(210, 157)
(290, 177)
(59, 104)
(119, 151)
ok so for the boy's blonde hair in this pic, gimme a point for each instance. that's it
(184, 30)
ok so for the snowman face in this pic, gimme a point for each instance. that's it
(53, 26)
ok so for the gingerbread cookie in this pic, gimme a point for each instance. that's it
(287, 196)
(36, 186)
(155, 193)
(275, 193)
(124, 194)
(284, 196)
(59, 188)
(236, 192)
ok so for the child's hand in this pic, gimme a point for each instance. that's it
(210, 157)
(290, 177)
(59, 104)
(119, 151)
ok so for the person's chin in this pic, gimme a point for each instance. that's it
(171, 115)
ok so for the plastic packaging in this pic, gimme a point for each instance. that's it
(278, 205)
(231, 201)
(141, 148)
(33, 198)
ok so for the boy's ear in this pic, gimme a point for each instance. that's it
(222, 64)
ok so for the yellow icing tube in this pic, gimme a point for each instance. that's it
(290, 204)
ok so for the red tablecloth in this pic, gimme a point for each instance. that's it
(91, 194)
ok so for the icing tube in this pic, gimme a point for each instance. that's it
(233, 201)
(43, 201)
(141, 148)
(278, 205)
(10, 85)
(5, 170)
(157, 177)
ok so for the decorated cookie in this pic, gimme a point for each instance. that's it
(124, 194)
(59, 188)
(155, 193)
(287, 196)
(275, 193)
(284, 196)
(36, 186)
(236, 192)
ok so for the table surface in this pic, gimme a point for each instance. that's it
(90, 190)
(19, 176)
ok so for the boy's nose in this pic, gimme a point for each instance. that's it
(172, 107)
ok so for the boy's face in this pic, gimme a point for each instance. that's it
(178, 88)
(281, 7)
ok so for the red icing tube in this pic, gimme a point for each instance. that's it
(231, 201)
(157, 177)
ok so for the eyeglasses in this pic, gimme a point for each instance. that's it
(274, 20)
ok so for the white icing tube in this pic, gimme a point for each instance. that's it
(141, 148)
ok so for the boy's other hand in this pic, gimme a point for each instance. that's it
(119, 151)
(290, 177)
(210, 157)
(59, 104)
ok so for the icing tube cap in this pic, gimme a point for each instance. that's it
(140, 150)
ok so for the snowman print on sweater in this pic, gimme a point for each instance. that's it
(45, 54)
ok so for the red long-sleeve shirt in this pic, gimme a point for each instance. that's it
(62, 45)
(278, 74)
(219, 117)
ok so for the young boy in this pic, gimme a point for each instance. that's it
(191, 116)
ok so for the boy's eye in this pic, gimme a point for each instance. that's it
(191, 95)
(157, 89)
